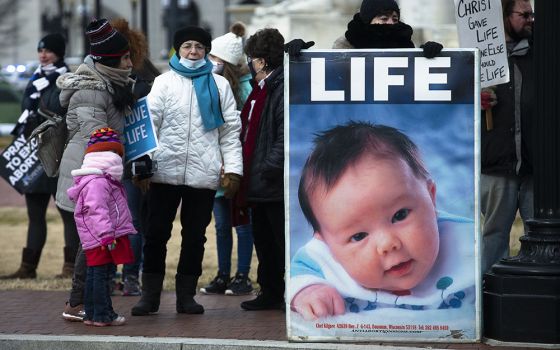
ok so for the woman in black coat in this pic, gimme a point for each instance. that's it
(42, 94)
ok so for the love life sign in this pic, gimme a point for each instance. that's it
(479, 24)
(139, 132)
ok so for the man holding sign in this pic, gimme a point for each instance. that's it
(506, 182)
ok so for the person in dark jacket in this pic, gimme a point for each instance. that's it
(377, 25)
(506, 183)
(262, 186)
(41, 93)
(144, 72)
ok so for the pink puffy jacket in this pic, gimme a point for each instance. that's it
(101, 213)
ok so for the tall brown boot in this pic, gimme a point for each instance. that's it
(68, 266)
(28, 268)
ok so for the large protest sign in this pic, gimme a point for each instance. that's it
(480, 24)
(19, 164)
(139, 132)
(382, 216)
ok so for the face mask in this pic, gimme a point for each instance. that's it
(217, 68)
(193, 65)
(252, 70)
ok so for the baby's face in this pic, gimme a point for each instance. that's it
(379, 221)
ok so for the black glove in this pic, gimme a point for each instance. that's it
(143, 167)
(431, 49)
(294, 47)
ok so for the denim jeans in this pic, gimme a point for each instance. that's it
(224, 239)
(97, 303)
(135, 203)
(500, 198)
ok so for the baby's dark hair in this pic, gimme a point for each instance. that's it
(342, 146)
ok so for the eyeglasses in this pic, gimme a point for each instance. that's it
(525, 15)
(197, 47)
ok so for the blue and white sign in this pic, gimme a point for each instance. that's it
(382, 218)
(139, 132)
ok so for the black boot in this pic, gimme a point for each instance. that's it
(28, 268)
(185, 289)
(264, 301)
(151, 293)
(69, 261)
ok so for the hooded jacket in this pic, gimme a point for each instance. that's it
(101, 213)
(89, 99)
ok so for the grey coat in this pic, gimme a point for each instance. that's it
(342, 43)
(88, 96)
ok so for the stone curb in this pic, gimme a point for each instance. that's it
(67, 342)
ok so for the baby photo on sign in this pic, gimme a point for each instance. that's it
(382, 221)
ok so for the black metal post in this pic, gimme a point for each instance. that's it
(172, 20)
(84, 25)
(522, 293)
(98, 8)
(144, 17)
(134, 5)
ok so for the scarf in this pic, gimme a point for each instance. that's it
(250, 121)
(378, 36)
(206, 91)
(51, 72)
(106, 161)
(117, 76)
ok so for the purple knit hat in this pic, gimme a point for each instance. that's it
(105, 139)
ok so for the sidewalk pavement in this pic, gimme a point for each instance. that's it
(32, 320)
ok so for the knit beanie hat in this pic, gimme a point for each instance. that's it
(105, 42)
(372, 8)
(54, 42)
(191, 33)
(229, 47)
(105, 139)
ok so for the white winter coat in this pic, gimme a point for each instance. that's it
(187, 153)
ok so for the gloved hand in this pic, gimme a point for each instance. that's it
(142, 184)
(431, 49)
(230, 183)
(294, 47)
(488, 98)
(41, 83)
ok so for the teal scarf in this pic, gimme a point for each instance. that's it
(206, 90)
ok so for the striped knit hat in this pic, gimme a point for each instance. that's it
(105, 41)
(105, 139)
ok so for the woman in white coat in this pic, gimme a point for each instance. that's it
(198, 126)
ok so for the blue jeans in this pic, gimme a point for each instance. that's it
(224, 240)
(97, 303)
(500, 198)
(135, 203)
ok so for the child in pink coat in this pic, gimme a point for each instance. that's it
(103, 221)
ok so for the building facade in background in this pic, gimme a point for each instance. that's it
(23, 23)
